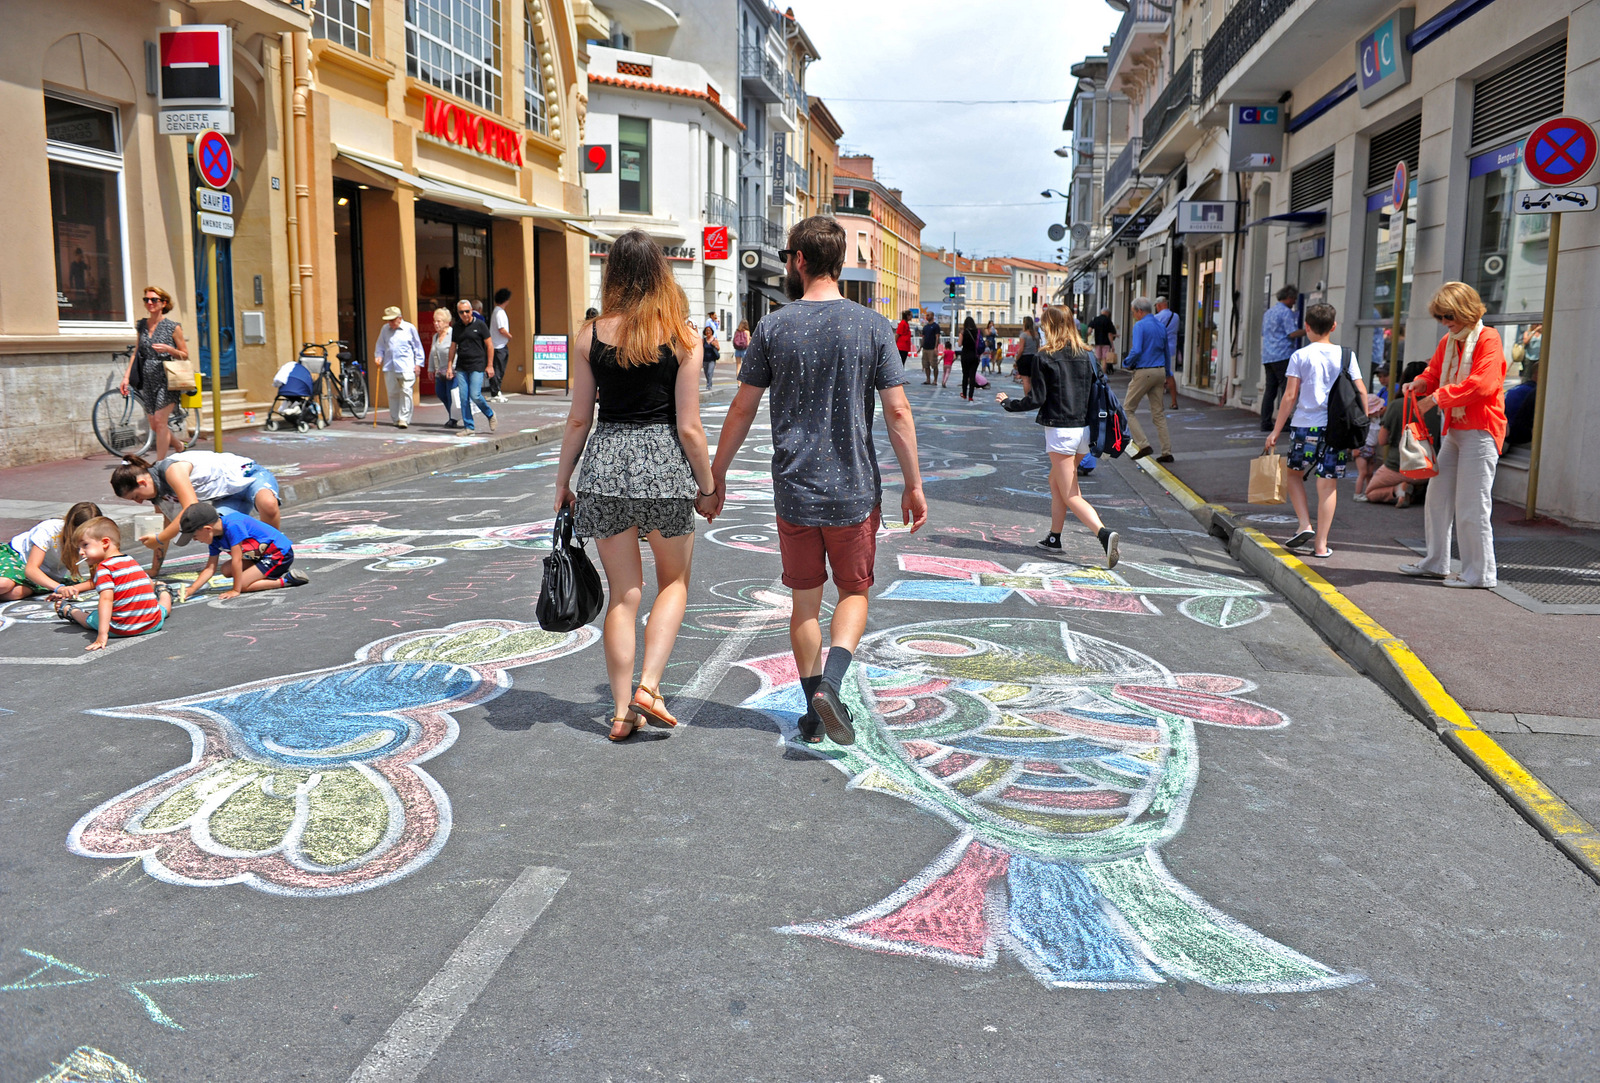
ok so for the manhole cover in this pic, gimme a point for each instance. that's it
(1560, 573)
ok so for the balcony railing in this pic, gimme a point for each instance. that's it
(761, 75)
(1122, 171)
(1181, 91)
(757, 230)
(1140, 11)
(850, 208)
(1241, 28)
(721, 210)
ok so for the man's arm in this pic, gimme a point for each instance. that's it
(903, 436)
(735, 427)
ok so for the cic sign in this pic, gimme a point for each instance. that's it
(1383, 59)
(452, 123)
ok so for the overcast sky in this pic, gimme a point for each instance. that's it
(952, 154)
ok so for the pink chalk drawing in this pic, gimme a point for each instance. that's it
(1209, 598)
(1064, 761)
(311, 784)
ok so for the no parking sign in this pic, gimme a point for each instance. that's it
(1560, 151)
(213, 159)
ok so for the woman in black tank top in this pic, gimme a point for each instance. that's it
(645, 464)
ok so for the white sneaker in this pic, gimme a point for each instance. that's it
(1417, 571)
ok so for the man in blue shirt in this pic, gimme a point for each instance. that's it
(1150, 358)
(1279, 328)
(1169, 319)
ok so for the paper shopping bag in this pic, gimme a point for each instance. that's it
(1269, 479)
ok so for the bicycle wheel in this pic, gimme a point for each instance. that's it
(120, 424)
(184, 423)
(325, 397)
(355, 390)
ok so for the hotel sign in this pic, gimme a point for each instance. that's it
(456, 124)
(1383, 57)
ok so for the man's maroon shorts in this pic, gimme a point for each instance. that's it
(850, 552)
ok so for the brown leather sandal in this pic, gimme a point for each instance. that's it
(646, 706)
(625, 720)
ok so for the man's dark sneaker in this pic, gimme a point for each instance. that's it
(834, 714)
(452, 424)
(810, 728)
(1051, 542)
(295, 579)
(1166, 458)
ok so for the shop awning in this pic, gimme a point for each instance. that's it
(382, 166)
(590, 231)
(452, 192)
(1169, 214)
(776, 296)
(1293, 218)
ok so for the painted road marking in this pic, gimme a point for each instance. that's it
(710, 675)
(410, 1043)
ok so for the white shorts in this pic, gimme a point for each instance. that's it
(1066, 441)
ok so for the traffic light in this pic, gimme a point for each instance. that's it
(1036, 297)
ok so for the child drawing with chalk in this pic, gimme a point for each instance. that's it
(259, 555)
(130, 604)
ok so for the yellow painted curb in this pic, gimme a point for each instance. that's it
(1538, 804)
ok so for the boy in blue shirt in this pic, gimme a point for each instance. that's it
(261, 554)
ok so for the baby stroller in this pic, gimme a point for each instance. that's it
(299, 398)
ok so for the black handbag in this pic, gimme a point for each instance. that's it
(571, 595)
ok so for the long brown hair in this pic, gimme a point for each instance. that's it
(1060, 331)
(125, 478)
(640, 289)
(67, 543)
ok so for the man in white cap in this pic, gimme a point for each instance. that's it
(399, 354)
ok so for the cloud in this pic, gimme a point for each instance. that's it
(944, 154)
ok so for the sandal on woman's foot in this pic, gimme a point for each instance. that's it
(625, 720)
(644, 703)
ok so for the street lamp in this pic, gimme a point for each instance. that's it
(1048, 192)
(1063, 152)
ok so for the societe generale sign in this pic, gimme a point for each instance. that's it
(456, 124)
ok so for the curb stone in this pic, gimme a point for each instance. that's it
(1392, 663)
(335, 482)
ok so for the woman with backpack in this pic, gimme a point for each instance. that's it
(645, 465)
(1466, 380)
(741, 342)
(1062, 386)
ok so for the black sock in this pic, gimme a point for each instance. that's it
(810, 724)
(1104, 534)
(837, 665)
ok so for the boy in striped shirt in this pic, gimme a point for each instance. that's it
(130, 604)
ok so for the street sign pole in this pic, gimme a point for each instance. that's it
(1546, 355)
(1399, 193)
(215, 332)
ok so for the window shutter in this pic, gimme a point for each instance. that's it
(1518, 97)
(1390, 148)
(1311, 184)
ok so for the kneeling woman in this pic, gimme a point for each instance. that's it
(645, 466)
(174, 483)
(1063, 378)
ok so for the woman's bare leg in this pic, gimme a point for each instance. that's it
(673, 558)
(1064, 475)
(619, 555)
(159, 426)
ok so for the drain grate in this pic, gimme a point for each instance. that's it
(1555, 573)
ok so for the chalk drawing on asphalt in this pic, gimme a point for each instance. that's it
(1064, 761)
(86, 1064)
(56, 973)
(311, 783)
(1209, 598)
(742, 605)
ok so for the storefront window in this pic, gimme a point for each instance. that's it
(455, 45)
(532, 79)
(1375, 319)
(86, 212)
(348, 279)
(346, 22)
(1506, 252)
(452, 260)
(633, 164)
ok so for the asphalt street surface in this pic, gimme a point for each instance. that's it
(1140, 825)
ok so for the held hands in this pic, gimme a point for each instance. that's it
(709, 505)
(913, 508)
(1000, 396)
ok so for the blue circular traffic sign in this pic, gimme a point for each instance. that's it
(1400, 187)
(213, 159)
(1560, 151)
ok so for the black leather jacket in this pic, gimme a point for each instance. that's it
(1062, 383)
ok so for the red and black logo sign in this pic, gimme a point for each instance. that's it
(195, 65)
(597, 158)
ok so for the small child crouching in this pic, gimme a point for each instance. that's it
(130, 604)
(260, 554)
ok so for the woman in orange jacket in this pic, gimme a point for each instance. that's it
(1466, 380)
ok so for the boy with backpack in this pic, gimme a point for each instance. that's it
(1313, 373)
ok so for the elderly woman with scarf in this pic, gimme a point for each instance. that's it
(1466, 380)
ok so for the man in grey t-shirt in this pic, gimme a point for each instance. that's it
(824, 358)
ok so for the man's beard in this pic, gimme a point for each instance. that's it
(793, 288)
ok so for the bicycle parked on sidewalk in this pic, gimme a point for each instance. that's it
(348, 386)
(120, 423)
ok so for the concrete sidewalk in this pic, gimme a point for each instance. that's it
(1524, 672)
(347, 455)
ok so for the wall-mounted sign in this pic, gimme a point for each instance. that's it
(597, 157)
(196, 67)
(778, 170)
(213, 159)
(451, 123)
(1548, 200)
(1560, 151)
(714, 239)
(550, 357)
(215, 225)
(214, 202)
(1208, 216)
(1383, 59)
(1255, 138)
(1138, 224)
(682, 252)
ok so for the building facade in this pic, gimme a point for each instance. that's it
(883, 265)
(823, 132)
(1280, 120)
(1033, 284)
